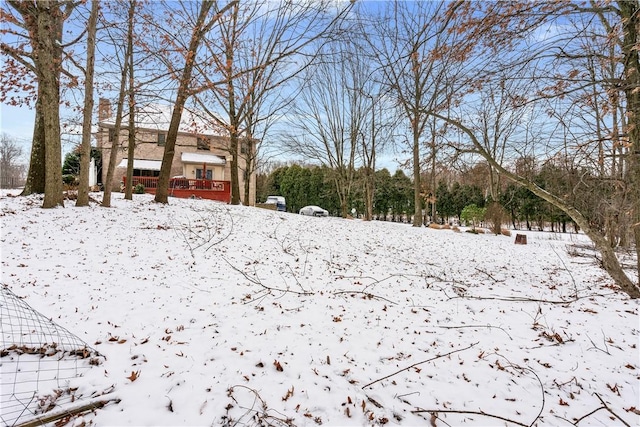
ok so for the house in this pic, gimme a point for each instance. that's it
(201, 151)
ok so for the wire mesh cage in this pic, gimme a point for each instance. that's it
(38, 361)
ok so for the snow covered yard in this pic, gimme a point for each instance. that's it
(210, 314)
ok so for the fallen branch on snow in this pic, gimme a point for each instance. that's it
(420, 363)
(453, 411)
(605, 407)
(73, 412)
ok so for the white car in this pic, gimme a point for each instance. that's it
(313, 211)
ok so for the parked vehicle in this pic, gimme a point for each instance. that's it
(279, 201)
(314, 211)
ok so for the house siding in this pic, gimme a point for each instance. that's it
(146, 147)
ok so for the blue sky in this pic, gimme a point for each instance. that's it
(17, 121)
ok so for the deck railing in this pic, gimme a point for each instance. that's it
(185, 187)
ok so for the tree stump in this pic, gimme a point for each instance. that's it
(521, 239)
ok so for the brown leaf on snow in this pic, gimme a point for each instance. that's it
(432, 420)
(288, 395)
(563, 403)
(134, 376)
(634, 410)
(278, 366)
(614, 388)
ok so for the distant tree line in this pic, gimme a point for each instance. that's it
(393, 199)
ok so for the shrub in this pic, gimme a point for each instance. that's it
(139, 189)
(472, 214)
(68, 179)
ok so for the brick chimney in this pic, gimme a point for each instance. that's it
(104, 109)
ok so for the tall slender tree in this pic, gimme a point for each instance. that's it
(85, 152)
(203, 24)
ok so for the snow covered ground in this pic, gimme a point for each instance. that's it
(208, 314)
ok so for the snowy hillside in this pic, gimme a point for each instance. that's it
(208, 314)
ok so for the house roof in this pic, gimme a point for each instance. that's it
(203, 158)
(158, 117)
(153, 165)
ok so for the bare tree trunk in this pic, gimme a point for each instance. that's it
(43, 21)
(36, 175)
(115, 144)
(131, 146)
(233, 134)
(417, 186)
(85, 150)
(250, 161)
(629, 11)
(199, 31)
(48, 58)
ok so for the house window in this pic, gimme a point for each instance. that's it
(244, 147)
(204, 144)
(161, 139)
(146, 172)
(112, 135)
(200, 175)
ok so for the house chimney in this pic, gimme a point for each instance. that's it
(104, 109)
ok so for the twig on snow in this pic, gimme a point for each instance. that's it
(256, 280)
(604, 406)
(453, 411)
(477, 326)
(366, 294)
(489, 275)
(436, 411)
(260, 415)
(604, 340)
(420, 363)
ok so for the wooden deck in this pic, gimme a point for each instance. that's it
(188, 188)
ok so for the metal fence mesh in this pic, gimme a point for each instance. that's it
(38, 359)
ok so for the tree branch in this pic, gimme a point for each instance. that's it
(420, 363)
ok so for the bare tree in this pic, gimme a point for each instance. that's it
(334, 113)
(263, 45)
(131, 141)
(417, 46)
(115, 143)
(201, 27)
(85, 150)
(10, 153)
(377, 131)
